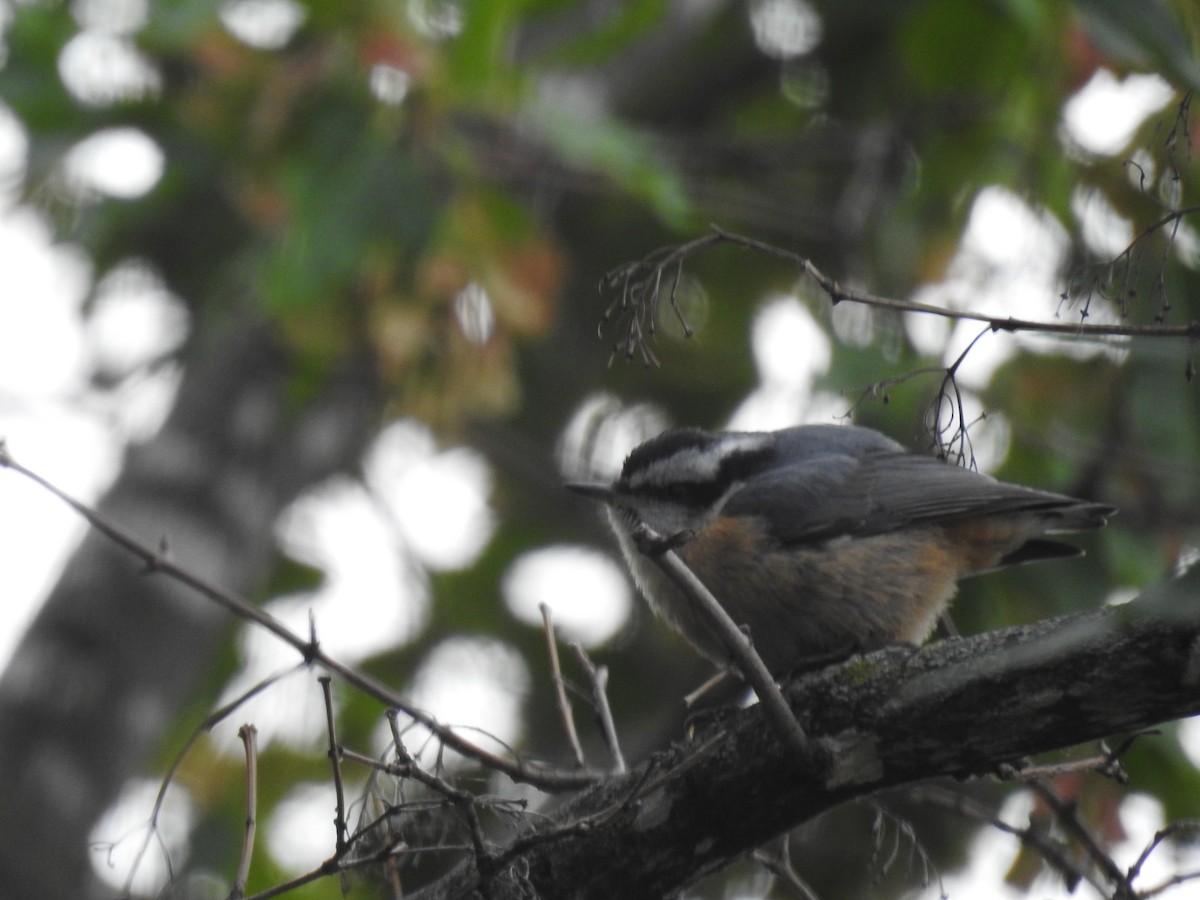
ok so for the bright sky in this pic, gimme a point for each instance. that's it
(422, 507)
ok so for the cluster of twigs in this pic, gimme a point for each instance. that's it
(1117, 280)
(381, 838)
(1094, 863)
(348, 846)
(378, 831)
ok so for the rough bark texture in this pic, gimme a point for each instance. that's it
(960, 708)
(113, 655)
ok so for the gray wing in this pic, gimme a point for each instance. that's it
(874, 486)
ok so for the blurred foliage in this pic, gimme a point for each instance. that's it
(534, 144)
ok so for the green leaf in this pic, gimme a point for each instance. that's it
(477, 65)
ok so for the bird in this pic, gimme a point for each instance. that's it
(822, 540)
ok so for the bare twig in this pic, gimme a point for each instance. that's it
(1036, 839)
(1066, 815)
(541, 775)
(779, 864)
(1191, 827)
(339, 822)
(735, 641)
(640, 283)
(1108, 764)
(406, 767)
(560, 688)
(248, 734)
(1102, 765)
(696, 694)
(1172, 882)
(210, 722)
(331, 866)
(876, 389)
(903, 833)
(335, 866)
(949, 392)
(598, 678)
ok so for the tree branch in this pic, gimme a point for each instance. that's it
(641, 290)
(960, 708)
(539, 774)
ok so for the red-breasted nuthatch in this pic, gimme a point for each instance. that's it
(823, 539)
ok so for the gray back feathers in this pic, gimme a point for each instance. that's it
(816, 482)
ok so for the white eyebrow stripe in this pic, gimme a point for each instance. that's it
(696, 465)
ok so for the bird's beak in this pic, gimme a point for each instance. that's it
(601, 493)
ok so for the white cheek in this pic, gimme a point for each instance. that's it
(664, 598)
(650, 581)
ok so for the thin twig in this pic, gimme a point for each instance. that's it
(541, 775)
(735, 641)
(875, 388)
(560, 688)
(1189, 826)
(248, 734)
(780, 865)
(641, 283)
(696, 694)
(1172, 882)
(1037, 840)
(1108, 764)
(948, 389)
(1159, 836)
(339, 822)
(329, 867)
(406, 767)
(903, 834)
(1066, 816)
(598, 678)
(837, 294)
(210, 722)
(1102, 765)
(334, 866)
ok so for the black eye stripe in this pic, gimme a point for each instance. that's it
(746, 462)
(687, 493)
